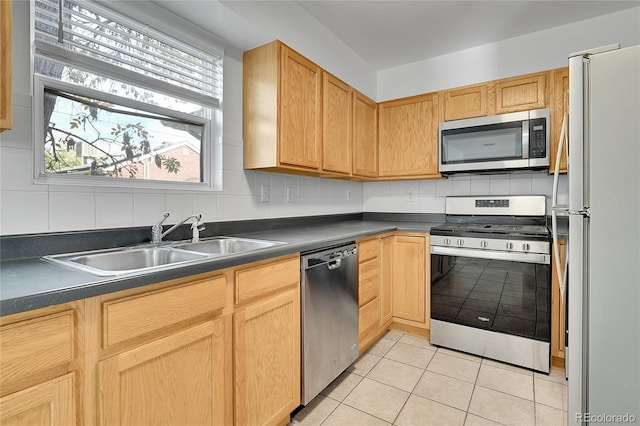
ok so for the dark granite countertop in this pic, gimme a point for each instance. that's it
(30, 283)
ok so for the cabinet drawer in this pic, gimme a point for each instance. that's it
(368, 281)
(369, 316)
(36, 345)
(368, 250)
(135, 316)
(260, 280)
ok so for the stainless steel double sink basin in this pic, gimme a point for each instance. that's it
(147, 258)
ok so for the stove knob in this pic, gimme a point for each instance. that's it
(509, 246)
(460, 243)
(484, 244)
(447, 241)
(525, 247)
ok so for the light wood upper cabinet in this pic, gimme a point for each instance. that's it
(178, 379)
(300, 110)
(297, 117)
(337, 119)
(365, 139)
(408, 137)
(521, 93)
(6, 101)
(559, 106)
(282, 99)
(467, 102)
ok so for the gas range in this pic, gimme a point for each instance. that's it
(490, 293)
(505, 224)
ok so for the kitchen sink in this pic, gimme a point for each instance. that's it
(226, 245)
(127, 260)
(131, 260)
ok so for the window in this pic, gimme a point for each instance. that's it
(120, 104)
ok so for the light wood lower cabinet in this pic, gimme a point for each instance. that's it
(399, 277)
(160, 354)
(179, 379)
(558, 307)
(267, 359)
(369, 301)
(386, 279)
(50, 403)
(40, 357)
(410, 266)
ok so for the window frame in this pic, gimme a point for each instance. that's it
(210, 150)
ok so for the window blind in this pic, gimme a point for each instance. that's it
(96, 39)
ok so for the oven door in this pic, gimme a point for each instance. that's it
(494, 304)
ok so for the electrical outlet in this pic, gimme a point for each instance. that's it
(348, 194)
(289, 194)
(264, 193)
(411, 196)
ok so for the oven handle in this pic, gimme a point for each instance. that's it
(543, 259)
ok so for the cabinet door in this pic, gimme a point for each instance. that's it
(300, 111)
(336, 125)
(5, 66)
(521, 93)
(179, 379)
(365, 136)
(557, 307)
(559, 106)
(49, 403)
(267, 360)
(409, 278)
(386, 279)
(466, 102)
(409, 136)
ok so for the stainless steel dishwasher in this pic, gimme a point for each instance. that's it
(329, 312)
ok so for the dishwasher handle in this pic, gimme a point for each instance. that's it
(332, 257)
(334, 264)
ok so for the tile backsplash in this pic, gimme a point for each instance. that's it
(427, 196)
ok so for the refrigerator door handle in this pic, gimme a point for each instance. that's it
(584, 212)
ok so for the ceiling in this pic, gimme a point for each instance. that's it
(391, 33)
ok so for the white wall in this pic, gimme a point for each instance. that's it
(28, 208)
(542, 50)
(428, 195)
(293, 25)
(533, 52)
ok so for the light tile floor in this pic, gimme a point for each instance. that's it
(403, 380)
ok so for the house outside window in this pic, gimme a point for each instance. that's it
(117, 103)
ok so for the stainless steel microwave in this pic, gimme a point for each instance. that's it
(518, 140)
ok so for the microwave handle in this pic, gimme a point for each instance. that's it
(525, 138)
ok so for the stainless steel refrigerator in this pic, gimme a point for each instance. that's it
(603, 359)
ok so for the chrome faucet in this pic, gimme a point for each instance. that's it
(156, 230)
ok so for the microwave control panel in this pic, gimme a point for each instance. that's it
(537, 138)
